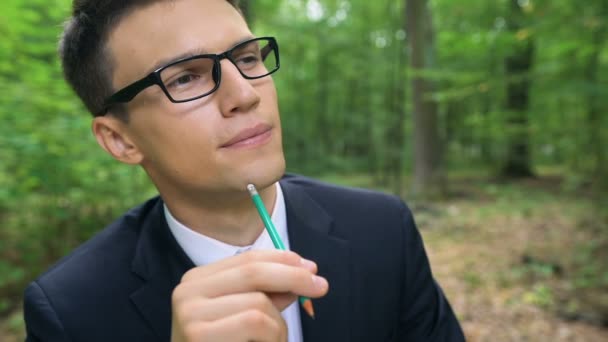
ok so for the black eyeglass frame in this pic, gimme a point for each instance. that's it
(127, 93)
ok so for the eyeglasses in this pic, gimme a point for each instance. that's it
(194, 77)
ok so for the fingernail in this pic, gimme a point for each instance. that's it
(320, 282)
(309, 265)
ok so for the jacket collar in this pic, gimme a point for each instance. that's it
(309, 227)
(160, 262)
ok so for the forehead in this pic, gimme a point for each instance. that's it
(166, 29)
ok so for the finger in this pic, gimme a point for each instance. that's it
(282, 300)
(199, 307)
(277, 256)
(217, 308)
(251, 325)
(267, 277)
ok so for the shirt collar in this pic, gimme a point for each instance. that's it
(204, 250)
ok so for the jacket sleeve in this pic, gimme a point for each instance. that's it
(426, 314)
(42, 323)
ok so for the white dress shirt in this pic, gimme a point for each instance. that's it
(204, 250)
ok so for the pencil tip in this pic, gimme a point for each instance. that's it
(307, 305)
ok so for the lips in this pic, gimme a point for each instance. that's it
(250, 136)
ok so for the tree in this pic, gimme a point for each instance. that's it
(396, 130)
(517, 68)
(428, 173)
(598, 30)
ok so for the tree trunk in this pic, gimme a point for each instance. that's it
(428, 174)
(594, 110)
(517, 67)
(396, 131)
(323, 119)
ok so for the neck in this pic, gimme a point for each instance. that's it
(230, 218)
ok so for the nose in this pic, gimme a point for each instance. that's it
(237, 94)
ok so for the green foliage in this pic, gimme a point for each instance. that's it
(338, 83)
(56, 187)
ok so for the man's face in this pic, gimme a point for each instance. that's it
(216, 144)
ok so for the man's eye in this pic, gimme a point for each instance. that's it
(183, 80)
(250, 59)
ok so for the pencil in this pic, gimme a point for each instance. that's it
(276, 239)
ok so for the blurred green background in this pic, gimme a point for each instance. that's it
(488, 117)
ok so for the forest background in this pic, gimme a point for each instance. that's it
(487, 117)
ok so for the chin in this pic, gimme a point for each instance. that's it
(263, 173)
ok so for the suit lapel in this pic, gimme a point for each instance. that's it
(160, 263)
(309, 235)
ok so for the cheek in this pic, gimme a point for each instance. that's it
(272, 92)
(269, 104)
(178, 140)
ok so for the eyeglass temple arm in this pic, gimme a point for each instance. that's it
(127, 94)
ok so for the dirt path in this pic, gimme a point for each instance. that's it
(481, 258)
(490, 312)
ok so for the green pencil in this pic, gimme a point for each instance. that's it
(276, 239)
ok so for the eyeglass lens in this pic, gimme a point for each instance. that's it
(194, 77)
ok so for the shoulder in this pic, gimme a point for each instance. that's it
(107, 255)
(369, 220)
(349, 201)
(331, 194)
(78, 296)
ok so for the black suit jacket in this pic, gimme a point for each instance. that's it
(118, 285)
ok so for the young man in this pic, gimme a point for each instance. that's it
(183, 88)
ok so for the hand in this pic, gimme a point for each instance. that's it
(240, 298)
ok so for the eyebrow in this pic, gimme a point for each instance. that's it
(187, 54)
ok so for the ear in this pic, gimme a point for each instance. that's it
(112, 135)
